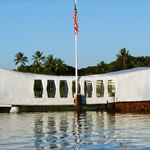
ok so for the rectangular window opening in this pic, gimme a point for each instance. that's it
(88, 88)
(51, 89)
(63, 89)
(99, 88)
(111, 88)
(38, 89)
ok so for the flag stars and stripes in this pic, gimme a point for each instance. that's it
(75, 21)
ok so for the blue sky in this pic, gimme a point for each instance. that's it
(105, 26)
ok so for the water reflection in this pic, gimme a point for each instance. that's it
(69, 130)
(77, 131)
(38, 133)
(51, 132)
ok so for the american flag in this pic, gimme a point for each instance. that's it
(75, 21)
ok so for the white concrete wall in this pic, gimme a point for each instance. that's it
(17, 88)
(134, 86)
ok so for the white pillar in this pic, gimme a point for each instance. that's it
(106, 89)
(94, 89)
(57, 84)
(44, 83)
(69, 88)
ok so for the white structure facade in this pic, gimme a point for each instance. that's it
(18, 88)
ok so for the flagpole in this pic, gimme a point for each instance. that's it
(78, 100)
(76, 3)
(76, 57)
(76, 62)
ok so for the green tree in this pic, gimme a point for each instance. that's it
(20, 58)
(60, 67)
(122, 57)
(147, 61)
(102, 67)
(38, 59)
(49, 64)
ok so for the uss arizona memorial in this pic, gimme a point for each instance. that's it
(121, 90)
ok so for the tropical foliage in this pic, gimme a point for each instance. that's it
(20, 59)
(55, 66)
(43, 65)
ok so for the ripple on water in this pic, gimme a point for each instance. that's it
(67, 130)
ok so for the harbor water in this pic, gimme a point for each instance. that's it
(71, 131)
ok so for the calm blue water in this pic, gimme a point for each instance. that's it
(67, 130)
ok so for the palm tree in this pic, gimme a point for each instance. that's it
(49, 64)
(102, 67)
(20, 58)
(38, 59)
(60, 67)
(123, 57)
